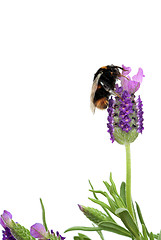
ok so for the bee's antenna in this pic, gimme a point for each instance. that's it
(124, 76)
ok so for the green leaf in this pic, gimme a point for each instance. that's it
(93, 189)
(103, 205)
(43, 215)
(113, 185)
(159, 236)
(141, 217)
(107, 185)
(151, 236)
(115, 228)
(100, 234)
(123, 192)
(81, 237)
(144, 232)
(113, 191)
(111, 202)
(128, 221)
(81, 228)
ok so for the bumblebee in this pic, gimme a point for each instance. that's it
(103, 86)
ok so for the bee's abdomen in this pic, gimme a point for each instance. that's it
(101, 103)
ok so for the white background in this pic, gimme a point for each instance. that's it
(50, 143)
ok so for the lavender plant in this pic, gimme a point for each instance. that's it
(125, 123)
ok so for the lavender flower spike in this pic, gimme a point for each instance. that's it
(125, 113)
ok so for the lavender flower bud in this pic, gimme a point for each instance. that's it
(93, 214)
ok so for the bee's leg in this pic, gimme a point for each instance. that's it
(115, 94)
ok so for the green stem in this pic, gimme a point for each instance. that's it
(128, 180)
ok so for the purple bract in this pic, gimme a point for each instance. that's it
(38, 231)
(131, 84)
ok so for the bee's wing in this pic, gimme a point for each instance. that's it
(93, 90)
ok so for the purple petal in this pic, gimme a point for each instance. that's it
(126, 128)
(80, 207)
(131, 85)
(126, 70)
(38, 231)
(139, 76)
(5, 218)
(7, 234)
(125, 82)
(58, 235)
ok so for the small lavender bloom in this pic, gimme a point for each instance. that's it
(5, 218)
(7, 234)
(38, 231)
(5, 221)
(59, 236)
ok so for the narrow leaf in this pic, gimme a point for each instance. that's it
(128, 221)
(123, 192)
(113, 227)
(81, 228)
(107, 185)
(151, 236)
(141, 217)
(159, 236)
(43, 215)
(113, 185)
(93, 189)
(81, 237)
(99, 233)
(100, 203)
(144, 232)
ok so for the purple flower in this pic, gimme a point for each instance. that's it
(7, 234)
(59, 236)
(6, 221)
(128, 84)
(126, 127)
(38, 231)
(5, 218)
